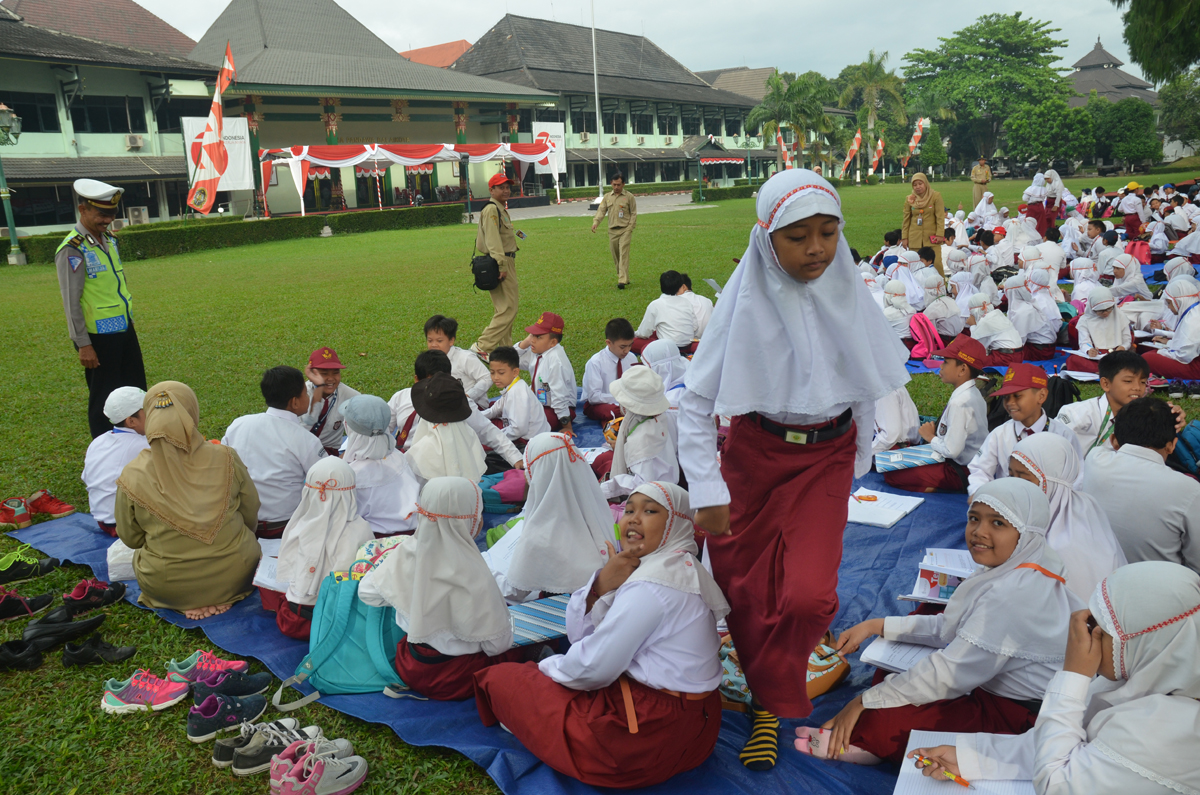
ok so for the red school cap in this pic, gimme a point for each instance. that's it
(547, 323)
(1023, 376)
(1000, 231)
(967, 350)
(498, 179)
(325, 359)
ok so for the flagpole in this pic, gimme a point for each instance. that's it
(599, 120)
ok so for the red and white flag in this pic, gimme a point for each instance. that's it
(213, 159)
(787, 156)
(853, 151)
(916, 139)
(878, 155)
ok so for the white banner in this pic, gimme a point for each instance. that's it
(239, 175)
(553, 131)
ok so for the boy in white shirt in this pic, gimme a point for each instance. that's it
(109, 452)
(702, 306)
(326, 394)
(518, 412)
(440, 335)
(1025, 389)
(277, 448)
(1123, 376)
(606, 366)
(553, 378)
(669, 317)
(962, 428)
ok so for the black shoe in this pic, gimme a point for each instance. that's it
(620, 286)
(23, 569)
(95, 651)
(231, 683)
(17, 655)
(57, 627)
(90, 594)
(14, 606)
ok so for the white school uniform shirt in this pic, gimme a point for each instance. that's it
(1154, 510)
(1184, 345)
(518, 408)
(962, 428)
(994, 330)
(489, 435)
(702, 309)
(472, 374)
(900, 321)
(946, 316)
(1087, 419)
(277, 450)
(552, 371)
(1085, 335)
(663, 638)
(991, 462)
(672, 318)
(1132, 204)
(106, 456)
(896, 421)
(954, 671)
(600, 372)
(662, 467)
(1104, 260)
(333, 431)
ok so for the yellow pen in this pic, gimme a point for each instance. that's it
(962, 782)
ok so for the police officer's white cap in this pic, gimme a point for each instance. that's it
(99, 194)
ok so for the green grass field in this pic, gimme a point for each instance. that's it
(216, 320)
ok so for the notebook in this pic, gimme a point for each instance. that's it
(500, 556)
(713, 284)
(884, 511)
(907, 458)
(912, 782)
(539, 621)
(940, 572)
(265, 576)
(895, 656)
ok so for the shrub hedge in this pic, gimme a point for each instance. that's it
(717, 194)
(636, 188)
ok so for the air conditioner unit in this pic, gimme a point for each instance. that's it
(134, 142)
(641, 141)
(583, 137)
(612, 141)
(667, 141)
(139, 215)
(117, 225)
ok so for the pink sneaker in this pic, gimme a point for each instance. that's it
(282, 763)
(200, 665)
(319, 774)
(141, 692)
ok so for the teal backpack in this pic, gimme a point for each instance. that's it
(351, 648)
(1187, 448)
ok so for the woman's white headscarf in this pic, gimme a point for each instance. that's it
(1054, 185)
(1038, 284)
(1106, 332)
(979, 306)
(895, 297)
(1036, 192)
(665, 360)
(830, 343)
(1086, 277)
(965, 288)
(446, 449)
(935, 286)
(1176, 266)
(903, 270)
(325, 530)
(1079, 530)
(986, 211)
(1158, 236)
(956, 261)
(1013, 610)
(567, 519)
(436, 579)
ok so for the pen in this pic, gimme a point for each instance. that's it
(957, 780)
(867, 498)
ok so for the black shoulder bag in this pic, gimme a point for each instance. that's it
(484, 268)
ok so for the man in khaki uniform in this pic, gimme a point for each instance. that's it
(981, 175)
(497, 238)
(621, 209)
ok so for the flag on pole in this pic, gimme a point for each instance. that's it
(878, 155)
(853, 151)
(916, 139)
(213, 157)
(787, 156)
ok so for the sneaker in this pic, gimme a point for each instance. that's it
(14, 514)
(222, 714)
(90, 594)
(318, 774)
(42, 501)
(141, 692)
(13, 605)
(1156, 382)
(224, 748)
(282, 763)
(201, 664)
(17, 655)
(1176, 390)
(483, 357)
(256, 756)
(21, 564)
(230, 683)
(1194, 390)
(94, 651)
(56, 627)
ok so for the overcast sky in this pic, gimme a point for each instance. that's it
(708, 35)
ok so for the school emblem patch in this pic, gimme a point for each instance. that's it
(942, 429)
(74, 262)
(337, 426)
(200, 198)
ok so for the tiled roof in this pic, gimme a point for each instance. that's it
(318, 43)
(555, 56)
(1098, 57)
(1098, 71)
(741, 80)
(439, 55)
(121, 22)
(68, 169)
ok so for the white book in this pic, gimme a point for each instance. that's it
(1080, 375)
(912, 782)
(883, 511)
(895, 656)
(265, 576)
(950, 561)
(500, 556)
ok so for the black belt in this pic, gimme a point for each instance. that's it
(1005, 350)
(510, 254)
(429, 659)
(1033, 706)
(304, 611)
(831, 430)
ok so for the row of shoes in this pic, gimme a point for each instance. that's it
(60, 627)
(1178, 389)
(143, 691)
(16, 513)
(21, 565)
(291, 752)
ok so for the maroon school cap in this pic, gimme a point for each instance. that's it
(325, 359)
(547, 323)
(966, 349)
(1023, 376)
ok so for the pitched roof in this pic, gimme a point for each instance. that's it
(121, 22)
(439, 55)
(23, 41)
(741, 80)
(555, 56)
(67, 169)
(1098, 71)
(317, 43)
(1097, 58)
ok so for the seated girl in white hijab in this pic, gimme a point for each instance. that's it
(1040, 344)
(1181, 356)
(1103, 328)
(645, 448)
(897, 310)
(904, 271)
(941, 308)
(956, 261)
(671, 368)
(1133, 728)
(1127, 278)
(1079, 530)
(981, 275)
(876, 289)
(1025, 317)
(1000, 640)
(986, 212)
(566, 522)
(322, 536)
(962, 287)
(443, 445)
(387, 487)
(634, 701)
(444, 596)
(995, 332)
(1086, 277)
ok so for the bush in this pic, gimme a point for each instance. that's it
(407, 218)
(145, 243)
(636, 188)
(36, 248)
(717, 194)
(872, 179)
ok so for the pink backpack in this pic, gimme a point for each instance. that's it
(925, 333)
(1140, 250)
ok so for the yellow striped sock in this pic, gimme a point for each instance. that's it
(762, 749)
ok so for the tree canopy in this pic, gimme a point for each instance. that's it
(1130, 129)
(1163, 37)
(873, 87)
(1179, 102)
(1050, 131)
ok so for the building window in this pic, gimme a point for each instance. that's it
(643, 172)
(733, 126)
(670, 171)
(524, 120)
(169, 113)
(583, 121)
(668, 125)
(616, 123)
(38, 112)
(691, 125)
(109, 115)
(733, 170)
(712, 126)
(37, 205)
(549, 114)
(643, 124)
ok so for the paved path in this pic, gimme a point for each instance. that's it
(664, 203)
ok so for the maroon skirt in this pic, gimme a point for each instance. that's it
(442, 677)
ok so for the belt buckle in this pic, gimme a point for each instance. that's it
(796, 437)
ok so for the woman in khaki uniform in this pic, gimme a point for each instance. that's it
(924, 220)
(187, 507)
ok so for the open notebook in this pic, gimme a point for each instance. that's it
(912, 782)
(894, 655)
(882, 511)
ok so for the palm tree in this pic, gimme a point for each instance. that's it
(871, 82)
(772, 113)
(810, 93)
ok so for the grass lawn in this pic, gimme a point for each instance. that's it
(216, 320)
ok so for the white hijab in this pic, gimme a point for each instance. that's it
(904, 271)
(1086, 277)
(436, 578)
(566, 521)
(872, 283)
(1133, 274)
(1106, 332)
(956, 261)
(1176, 266)
(986, 211)
(830, 343)
(324, 533)
(935, 286)
(651, 440)
(1179, 295)
(367, 418)
(663, 358)
(1008, 610)
(1054, 185)
(964, 288)
(446, 449)
(1036, 192)
(1079, 530)
(1038, 284)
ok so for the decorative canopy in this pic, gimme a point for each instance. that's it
(343, 155)
(425, 169)
(319, 172)
(708, 161)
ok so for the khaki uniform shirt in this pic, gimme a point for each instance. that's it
(621, 211)
(496, 235)
(981, 174)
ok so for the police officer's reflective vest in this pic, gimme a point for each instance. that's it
(106, 303)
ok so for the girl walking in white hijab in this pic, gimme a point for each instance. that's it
(386, 486)
(1103, 328)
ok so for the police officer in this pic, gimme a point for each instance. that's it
(97, 302)
(621, 209)
(496, 237)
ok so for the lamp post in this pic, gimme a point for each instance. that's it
(10, 131)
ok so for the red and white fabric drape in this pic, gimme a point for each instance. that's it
(853, 151)
(344, 155)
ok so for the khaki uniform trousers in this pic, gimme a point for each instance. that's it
(618, 242)
(978, 192)
(504, 302)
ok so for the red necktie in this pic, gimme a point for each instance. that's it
(618, 369)
(536, 365)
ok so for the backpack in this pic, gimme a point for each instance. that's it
(351, 647)
(1062, 392)
(1187, 448)
(1140, 250)
(928, 341)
